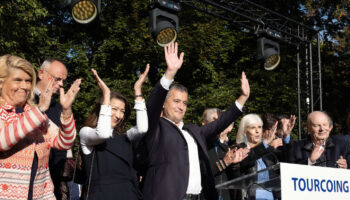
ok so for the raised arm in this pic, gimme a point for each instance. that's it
(216, 127)
(93, 136)
(156, 100)
(173, 61)
(245, 90)
(140, 107)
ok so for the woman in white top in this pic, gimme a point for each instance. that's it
(107, 148)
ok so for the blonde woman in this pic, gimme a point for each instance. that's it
(26, 133)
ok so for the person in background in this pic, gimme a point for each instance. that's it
(107, 148)
(219, 153)
(320, 148)
(54, 69)
(261, 139)
(27, 134)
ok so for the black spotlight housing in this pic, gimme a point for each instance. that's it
(163, 21)
(269, 52)
(85, 11)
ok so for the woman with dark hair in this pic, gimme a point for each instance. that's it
(107, 147)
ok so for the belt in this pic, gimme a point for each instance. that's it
(192, 197)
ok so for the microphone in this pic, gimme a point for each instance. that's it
(320, 163)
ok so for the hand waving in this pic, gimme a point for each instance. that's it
(245, 85)
(245, 90)
(270, 135)
(173, 61)
(288, 125)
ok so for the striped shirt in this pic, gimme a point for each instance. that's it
(21, 136)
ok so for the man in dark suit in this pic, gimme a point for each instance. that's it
(219, 152)
(178, 165)
(319, 148)
(54, 72)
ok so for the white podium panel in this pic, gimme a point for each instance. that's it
(311, 182)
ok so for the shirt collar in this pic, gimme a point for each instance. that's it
(11, 108)
(181, 124)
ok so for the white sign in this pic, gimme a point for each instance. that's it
(312, 182)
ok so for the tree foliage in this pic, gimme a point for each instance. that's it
(118, 46)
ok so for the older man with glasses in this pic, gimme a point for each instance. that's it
(54, 72)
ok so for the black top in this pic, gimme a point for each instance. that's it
(334, 148)
(217, 152)
(113, 175)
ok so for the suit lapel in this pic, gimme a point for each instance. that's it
(176, 127)
(197, 137)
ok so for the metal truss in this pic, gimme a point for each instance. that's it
(256, 18)
(262, 21)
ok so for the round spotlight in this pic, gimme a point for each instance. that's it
(84, 11)
(271, 59)
(166, 33)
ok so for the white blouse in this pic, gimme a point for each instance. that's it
(94, 136)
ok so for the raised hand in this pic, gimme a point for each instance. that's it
(45, 96)
(269, 136)
(173, 61)
(245, 85)
(341, 162)
(288, 125)
(138, 84)
(276, 143)
(104, 88)
(245, 90)
(66, 99)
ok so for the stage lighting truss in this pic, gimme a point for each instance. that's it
(163, 21)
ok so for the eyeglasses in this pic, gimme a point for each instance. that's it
(57, 79)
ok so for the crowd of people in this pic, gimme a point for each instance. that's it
(160, 157)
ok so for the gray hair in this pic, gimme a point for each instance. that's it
(330, 121)
(46, 64)
(176, 86)
(208, 114)
(244, 124)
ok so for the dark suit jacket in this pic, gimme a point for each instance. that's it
(335, 147)
(217, 152)
(168, 163)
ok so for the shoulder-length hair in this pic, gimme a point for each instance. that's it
(244, 124)
(92, 119)
(8, 62)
